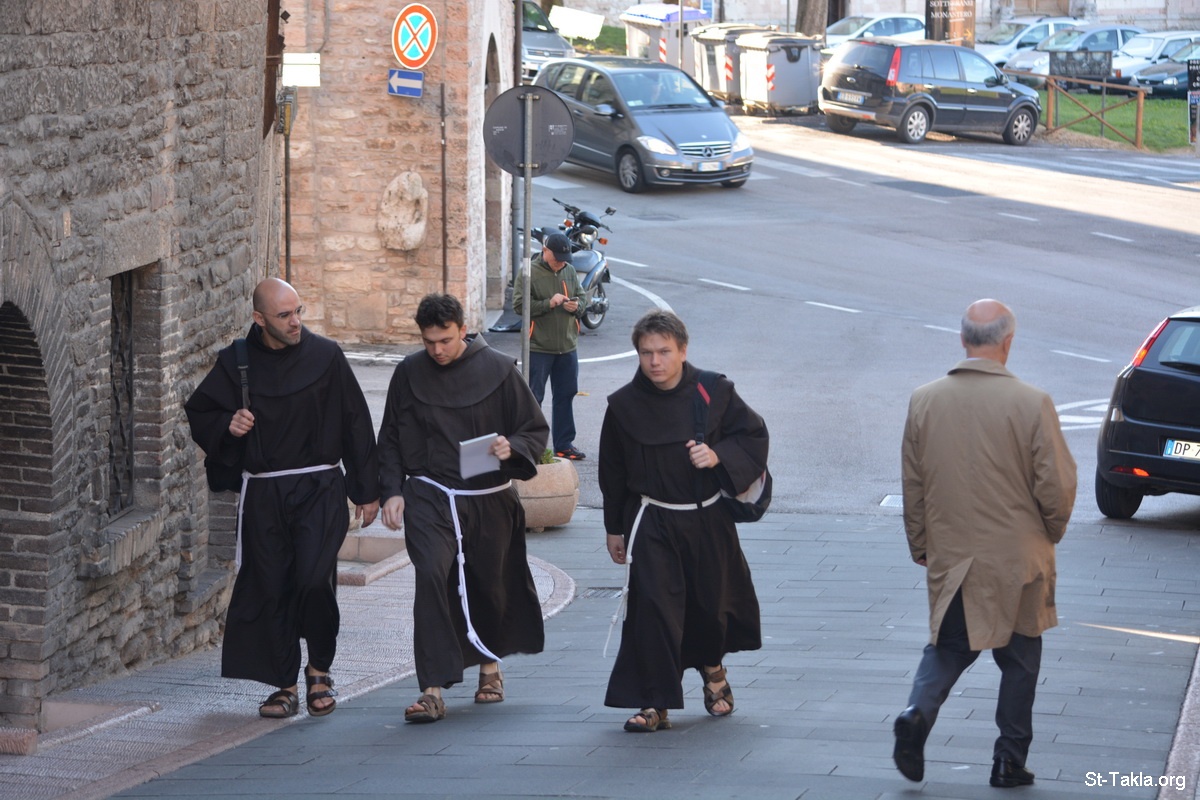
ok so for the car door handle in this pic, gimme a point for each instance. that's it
(972, 90)
(929, 87)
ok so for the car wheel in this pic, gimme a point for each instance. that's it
(914, 125)
(629, 172)
(734, 184)
(1020, 127)
(1116, 502)
(840, 124)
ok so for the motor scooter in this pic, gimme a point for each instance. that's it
(582, 228)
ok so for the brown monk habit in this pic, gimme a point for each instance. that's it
(691, 598)
(430, 409)
(308, 411)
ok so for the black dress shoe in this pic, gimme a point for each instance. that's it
(909, 753)
(1006, 774)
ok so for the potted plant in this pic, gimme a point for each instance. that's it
(550, 497)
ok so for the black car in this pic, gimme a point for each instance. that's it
(916, 87)
(1150, 440)
(1167, 78)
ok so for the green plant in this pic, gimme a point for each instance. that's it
(1164, 121)
(611, 40)
(547, 456)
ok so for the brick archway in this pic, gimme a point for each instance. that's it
(35, 428)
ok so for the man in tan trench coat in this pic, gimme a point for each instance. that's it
(989, 485)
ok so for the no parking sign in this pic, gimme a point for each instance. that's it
(414, 35)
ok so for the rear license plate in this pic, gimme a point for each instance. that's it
(852, 97)
(709, 166)
(1175, 448)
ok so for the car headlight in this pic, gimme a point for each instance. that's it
(1172, 81)
(656, 145)
(740, 142)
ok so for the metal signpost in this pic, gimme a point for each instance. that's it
(528, 132)
(1193, 66)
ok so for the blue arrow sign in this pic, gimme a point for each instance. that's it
(403, 83)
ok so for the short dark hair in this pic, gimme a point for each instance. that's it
(440, 310)
(661, 322)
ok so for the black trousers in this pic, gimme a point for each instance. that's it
(1019, 661)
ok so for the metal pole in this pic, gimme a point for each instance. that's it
(681, 34)
(528, 97)
(287, 204)
(445, 202)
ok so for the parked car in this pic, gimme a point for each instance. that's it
(1150, 440)
(1001, 42)
(648, 122)
(871, 26)
(1092, 37)
(540, 42)
(1145, 50)
(916, 87)
(1167, 78)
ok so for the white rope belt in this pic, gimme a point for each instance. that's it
(472, 636)
(246, 476)
(637, 523)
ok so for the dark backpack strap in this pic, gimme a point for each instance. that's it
(243, 364)
(700, 403)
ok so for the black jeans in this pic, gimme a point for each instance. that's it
(1019, 661)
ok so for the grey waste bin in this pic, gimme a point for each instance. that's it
(780, 72)
(717, 58)
(652, 31)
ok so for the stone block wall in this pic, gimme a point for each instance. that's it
(139, 205)
(382, 212)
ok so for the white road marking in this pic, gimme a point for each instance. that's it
(1089, 414)
(940, 328)
(726, 285)
(843, 180)
(785, 166)
(549, 182)
(1018, 216)
(1079, 355)
(932, 199)
(1110, 236)
(646, 293)
(835, 308)
(626, 354)
(629, 263)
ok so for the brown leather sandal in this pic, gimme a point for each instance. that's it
(491, 687)
(310, 696)
(280, 705)
(711, 697)
(653, 719)
(433, 708)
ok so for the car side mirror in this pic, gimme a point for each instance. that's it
(996, 80)
(606, 110)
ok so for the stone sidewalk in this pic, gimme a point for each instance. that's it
(844, 620)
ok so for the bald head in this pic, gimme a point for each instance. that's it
(987, 330)
(277, 311)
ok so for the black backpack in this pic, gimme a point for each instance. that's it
(750, 505)
(221, 477)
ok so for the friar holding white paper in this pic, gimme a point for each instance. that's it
(459, 391)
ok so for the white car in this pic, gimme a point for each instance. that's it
(870, 26)
(1001, 42)
(1094, 37)
(1145, 50)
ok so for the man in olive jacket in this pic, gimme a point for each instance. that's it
(555, 307)
(989, 485)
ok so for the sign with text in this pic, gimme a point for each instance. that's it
(950, 21)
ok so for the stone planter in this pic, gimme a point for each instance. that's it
(550, 497)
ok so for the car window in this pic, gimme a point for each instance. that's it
(945, 63)
(1129, 33)
(843, 27)
(905, 25)
(1183, 54)
(911, 69)
(567, 81)
(1063, 41)
(976, 68)
(864, 55)
(1174, 46)
(598, 90)
(884, 27)
(1140, 46)
(1101, 40)
(1178, 345)
(1035, 34)
(1003, 33)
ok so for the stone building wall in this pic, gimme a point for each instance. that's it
(139, 204)
(381, 212)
